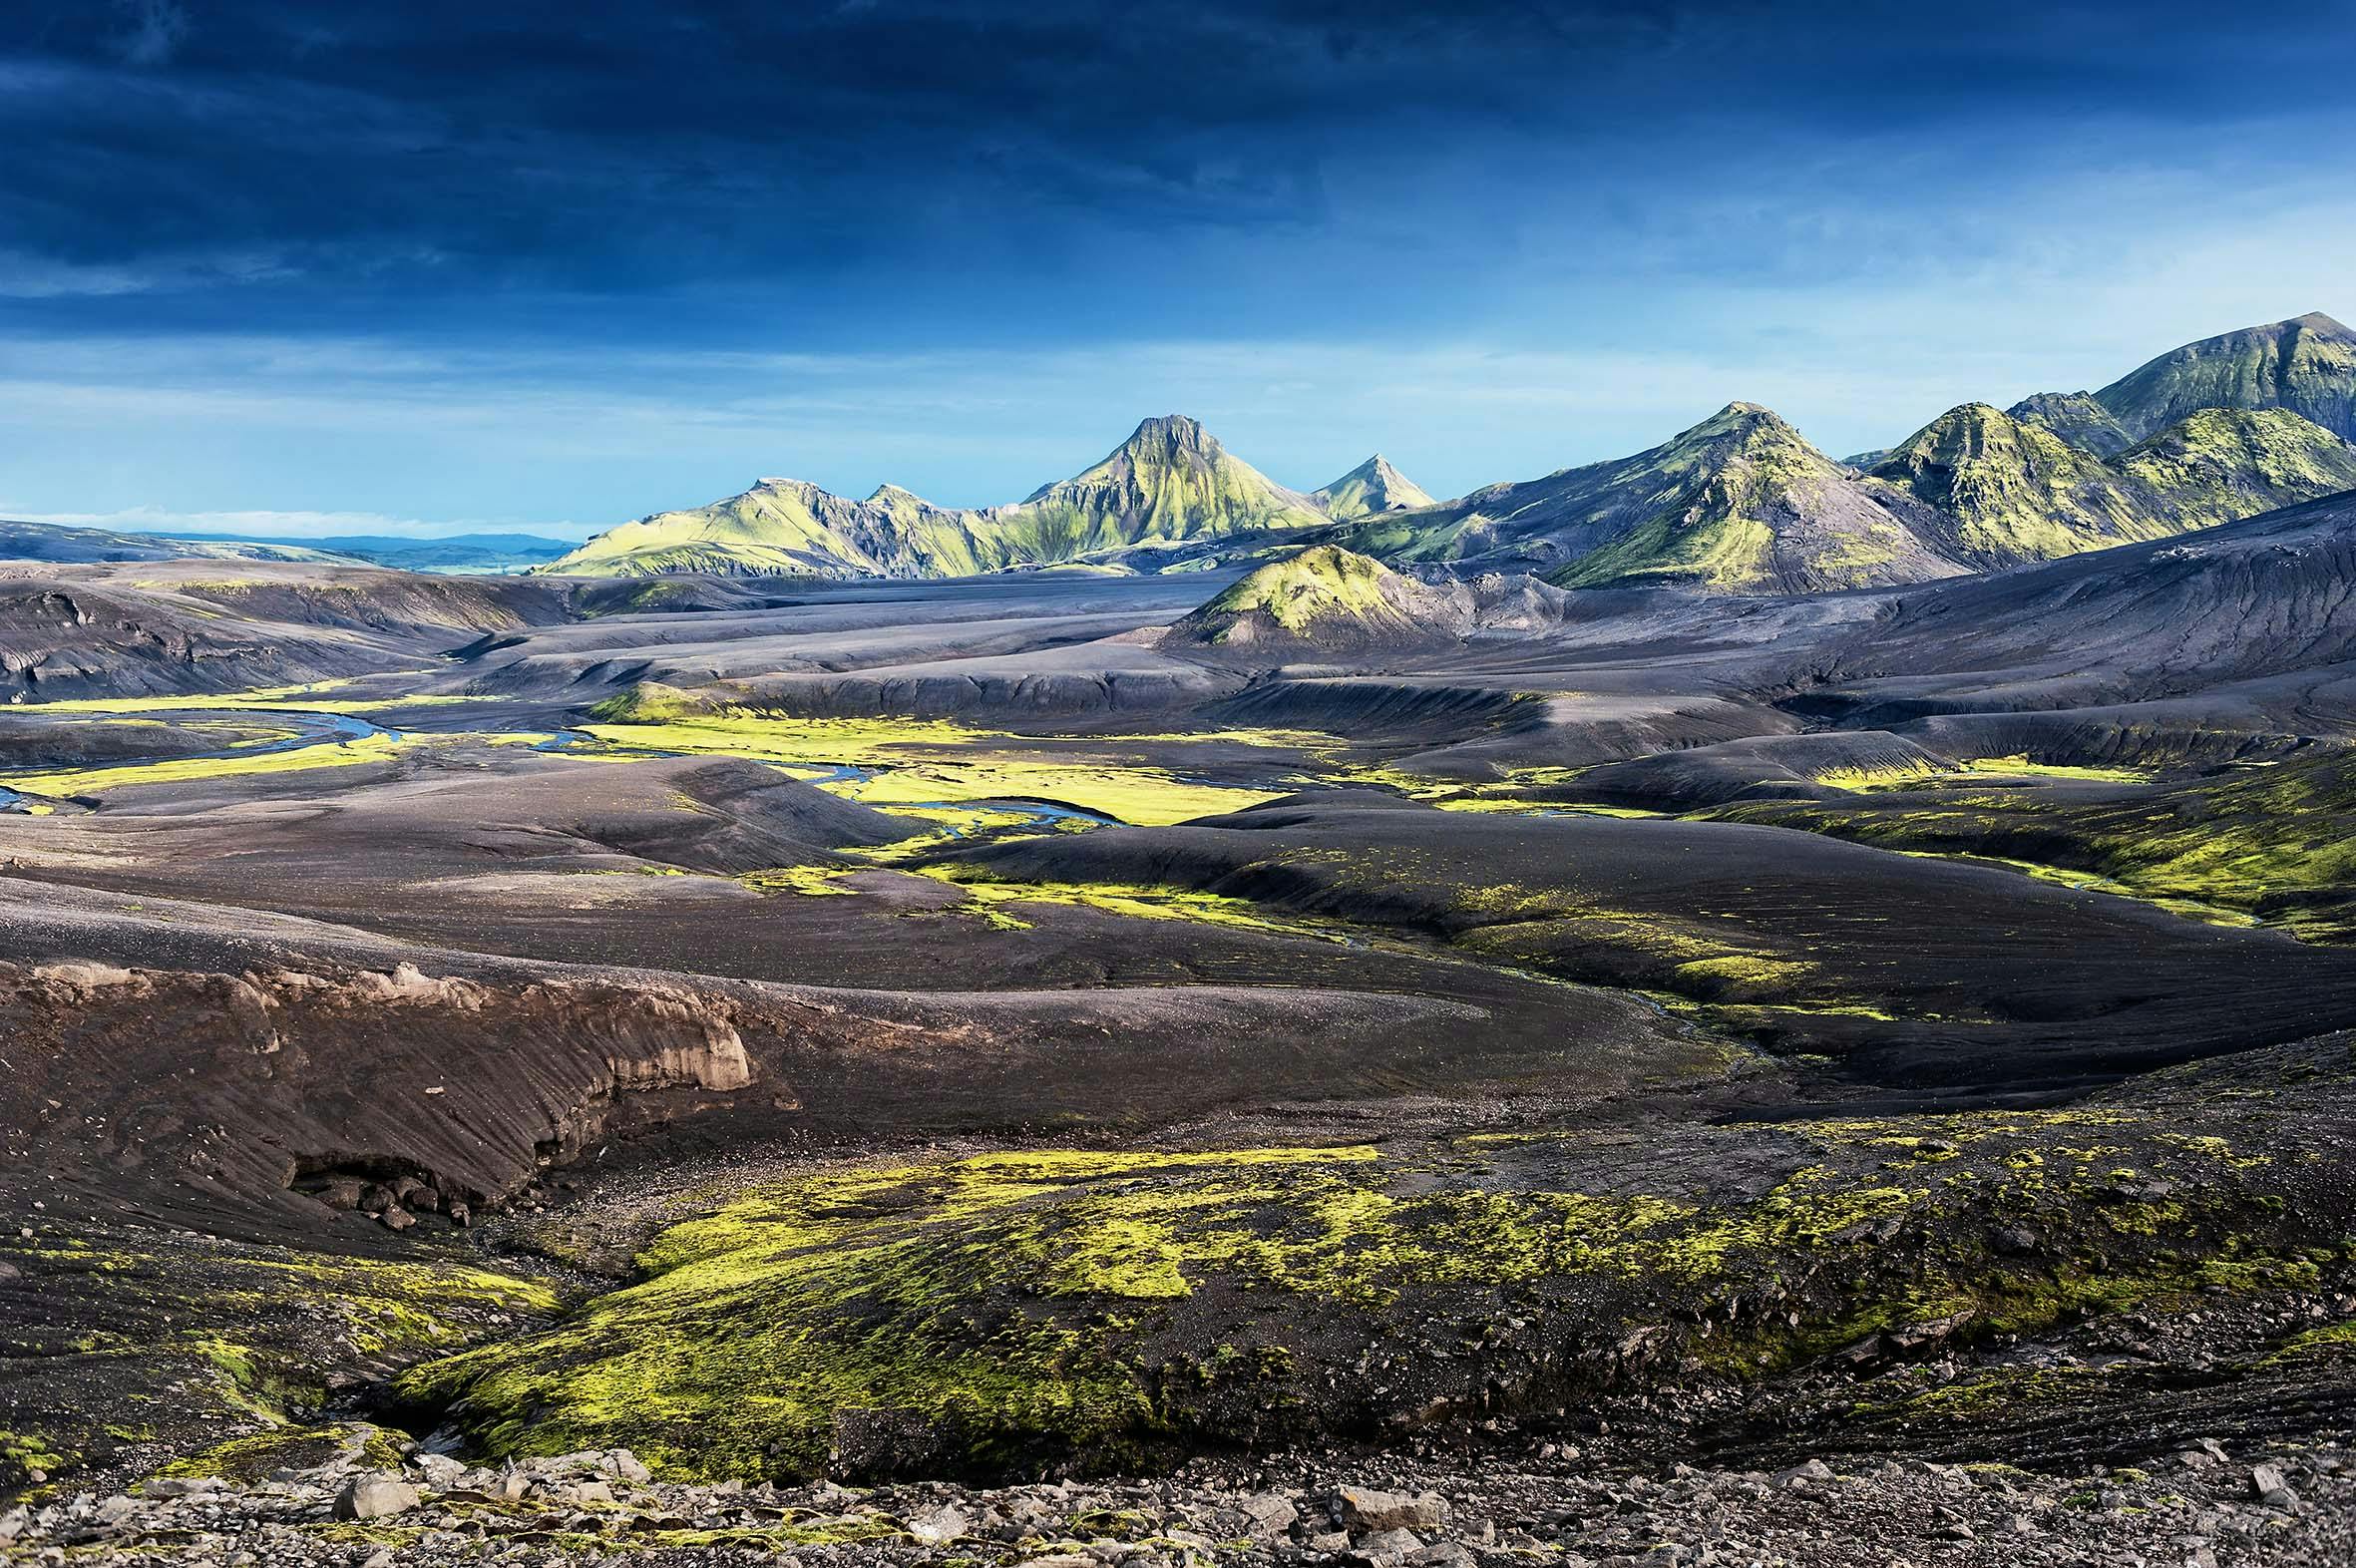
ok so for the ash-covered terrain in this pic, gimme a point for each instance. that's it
(1329, 1056)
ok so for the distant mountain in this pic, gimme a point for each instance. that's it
(54, 542)
(2007, 489)
(786, 528)
(2075, 417)
(1738, 503)
(2306, 364)
(1326, 598)
(1169, 486)
(1373, 486)
(453, 552)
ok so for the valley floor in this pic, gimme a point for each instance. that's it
(938, 1074)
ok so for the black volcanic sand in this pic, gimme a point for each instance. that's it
(1730, 1141)
(1915, 974)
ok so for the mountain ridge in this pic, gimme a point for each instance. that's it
(1171, 483)
(1740, 503)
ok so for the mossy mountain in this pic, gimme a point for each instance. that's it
(2306, 364)
(1169, 486)
(1324, 597)
(2006, 491)
(1742, 504)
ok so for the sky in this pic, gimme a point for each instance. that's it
(311, 267)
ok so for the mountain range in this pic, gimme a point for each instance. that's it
(453, 552)
(59, 543)
(1740, 503)
(1168, 490)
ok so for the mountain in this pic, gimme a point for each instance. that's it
(2306, 364)
(2223, 464)
(438, 553)
(1373, 486)
(2008, 490)
(1171, 485)
(54, 542)
(2075, 417)
(1328, 598)
(1738, 503)
(786, 528)
(2012, 491)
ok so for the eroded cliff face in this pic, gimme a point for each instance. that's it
(443, 1093)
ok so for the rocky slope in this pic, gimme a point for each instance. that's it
(2075, 417)
(1373, 486)
(1169, 484)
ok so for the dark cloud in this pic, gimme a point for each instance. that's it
(453, 150)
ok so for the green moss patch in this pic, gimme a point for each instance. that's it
(1020, 1311)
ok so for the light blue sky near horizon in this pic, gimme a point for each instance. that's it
(494, 311)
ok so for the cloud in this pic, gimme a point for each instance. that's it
(152, 32)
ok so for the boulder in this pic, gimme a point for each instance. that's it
(1269, 1513)
(375, 1496)
(936, 1525)
(1358, 1508)
(1394, 1546)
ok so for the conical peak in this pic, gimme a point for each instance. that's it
(1172, 433)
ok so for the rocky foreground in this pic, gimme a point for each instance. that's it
(2205, 1507)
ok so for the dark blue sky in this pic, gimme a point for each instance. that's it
(543, 264)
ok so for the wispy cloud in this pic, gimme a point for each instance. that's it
(152, 30)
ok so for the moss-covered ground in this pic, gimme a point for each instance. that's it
(924, 762)
(2276, 844)
(215, 1356)
(1015, 1310)
(183, 770)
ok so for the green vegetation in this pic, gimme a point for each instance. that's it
(926, 762)
(994, 901)
(181, 770)
(2272, 844)
(292, 699)
(2017, 490)
(252, 1457)
(1976, 770)
(215, 1350)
